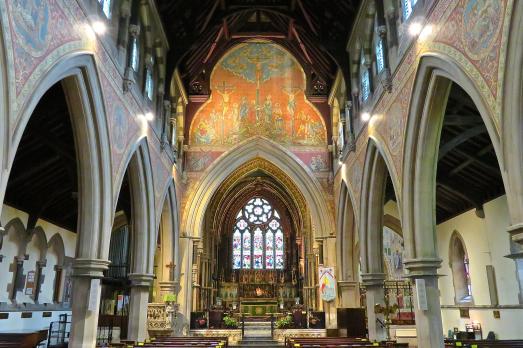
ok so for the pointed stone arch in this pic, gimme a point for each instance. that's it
(375, 171)
(272, 152)
(434, 77)
(138, 167)
(347, 249)
(169, 234)
(512, 123)
(322, 222)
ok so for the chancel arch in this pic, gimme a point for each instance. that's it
(289, 180)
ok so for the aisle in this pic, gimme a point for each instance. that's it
(258, 334)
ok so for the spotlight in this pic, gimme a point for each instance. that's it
(426, 32)
(415, 28)
(149, 116)
(365, 116)
(99, 27)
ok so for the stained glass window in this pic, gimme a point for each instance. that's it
(135, 59)
(106, 7)
(279, 249)
(365, 84)
(266, 248)
(380, 62)
(149, 83)
(407, 8)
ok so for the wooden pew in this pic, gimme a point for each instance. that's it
(25, 339)
(178, 342)
(306, 342)
(483, 343)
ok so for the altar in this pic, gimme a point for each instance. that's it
(258, 306)
(257, 292)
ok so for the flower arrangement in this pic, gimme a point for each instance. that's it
(284, 322)
(230, 323)
(169, 298)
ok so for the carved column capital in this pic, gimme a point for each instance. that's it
(134, 30)
(372, 279)
(91, 268)
(516, 233)
(125, 9)
(422, 267)
(141, 279)
(382, 31)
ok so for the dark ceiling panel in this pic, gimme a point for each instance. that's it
(43, 180)
(468, 173)
(315, 31)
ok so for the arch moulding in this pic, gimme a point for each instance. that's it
(434, 77)
(228, 163)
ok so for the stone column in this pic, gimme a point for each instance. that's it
(516, 233)
(349, 294)
(84, 321)
(137, 328)
(375, 294)
(428, 311)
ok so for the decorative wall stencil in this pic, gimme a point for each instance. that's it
(395, 128)
(258, 89)
(198, 161)
(482, 21)
(31, 22)
(120, 128)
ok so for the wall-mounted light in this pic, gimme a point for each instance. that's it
(415, 28)
(365, 116)
(99, 27)
(149, 116)
(426, 32)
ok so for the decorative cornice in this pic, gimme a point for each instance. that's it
(141, 279)
(92, 268)
(372, 279)
(424, 267)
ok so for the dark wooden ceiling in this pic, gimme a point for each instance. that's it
(43, 180)
(468, 173)
(315, 31)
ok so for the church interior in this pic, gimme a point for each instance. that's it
(261, 173)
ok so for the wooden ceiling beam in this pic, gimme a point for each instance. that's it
(307, 17)
(450, 145)
(461, 120)
(476, 159)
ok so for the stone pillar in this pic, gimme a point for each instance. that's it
(428, 314)
(375, 294)
(196, 271)
(348, 294)
(84, 321)
(516, 233)
(137, 328)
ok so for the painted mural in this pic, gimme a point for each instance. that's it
(258, 89)
(393, 250)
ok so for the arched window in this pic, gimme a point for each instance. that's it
(407, 6)
(106, 7)
(459, 263)
(364, 79)
(257, 239)
(135, 54)
(149, 81)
